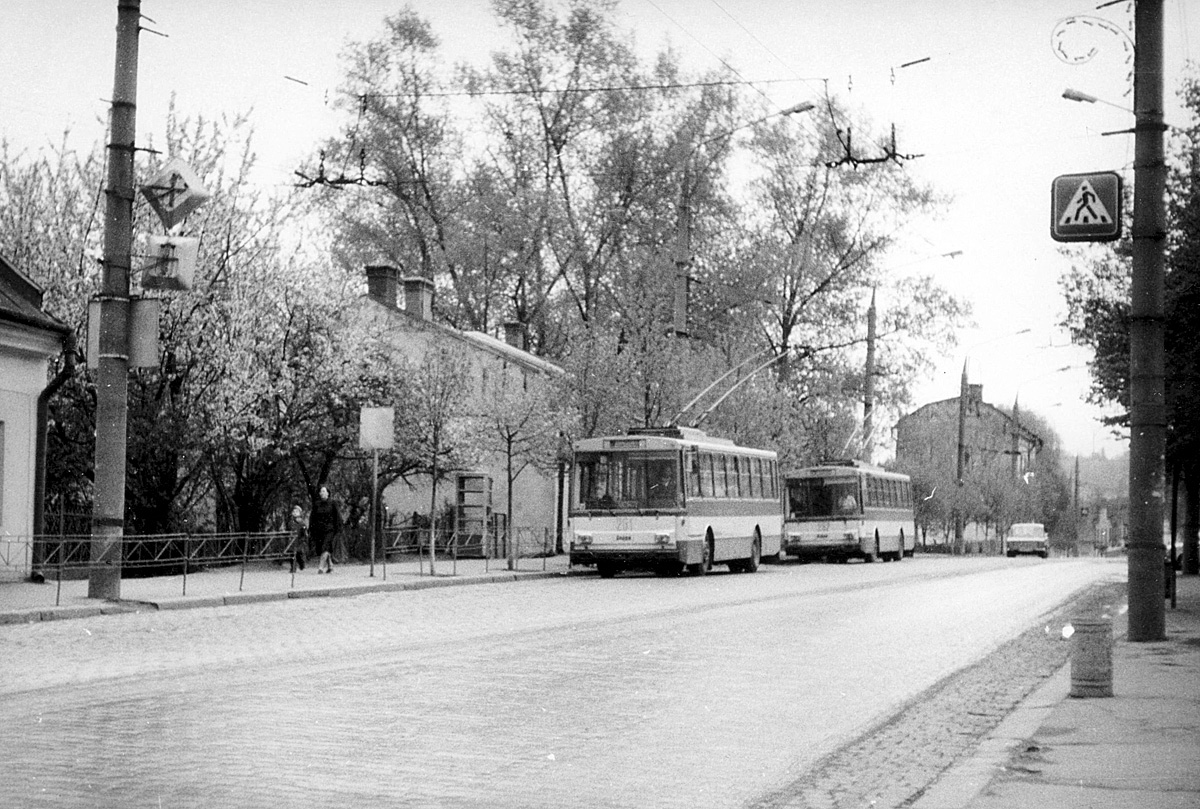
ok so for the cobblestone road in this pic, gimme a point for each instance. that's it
(626, 693)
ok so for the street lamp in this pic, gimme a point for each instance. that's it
(683, 221)
(1085, 98)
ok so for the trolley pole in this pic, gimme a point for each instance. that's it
(1147, 412)
(112, 382)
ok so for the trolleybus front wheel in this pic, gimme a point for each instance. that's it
(871, 557)
(705, 563)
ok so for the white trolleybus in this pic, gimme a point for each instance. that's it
(845, 509)
(672, 499)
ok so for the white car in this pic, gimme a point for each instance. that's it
(1026, 537)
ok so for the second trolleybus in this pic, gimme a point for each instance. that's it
(848, 509)
(672, 499)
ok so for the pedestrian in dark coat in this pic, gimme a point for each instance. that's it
(323, 525)
(299, 526)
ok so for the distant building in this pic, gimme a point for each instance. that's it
(994, 443)
(991, 437)
(29, 339)
(411, 330)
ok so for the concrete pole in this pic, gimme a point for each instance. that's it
(1077, 503)
(112, 381)
(1147, 412)
(869, 387)
(962, 439)
(373, 511)
(683, 253)
(1016, 442)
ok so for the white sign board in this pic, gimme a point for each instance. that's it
(376, 427)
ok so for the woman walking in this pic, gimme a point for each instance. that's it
(323, 526)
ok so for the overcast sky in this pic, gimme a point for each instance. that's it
(985, 110)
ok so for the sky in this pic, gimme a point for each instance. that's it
(975, 88)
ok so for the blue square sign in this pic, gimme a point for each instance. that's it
(1086, 207)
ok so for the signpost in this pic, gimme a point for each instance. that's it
(1086, 207)
(376, 432)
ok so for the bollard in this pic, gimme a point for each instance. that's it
(1091, 658)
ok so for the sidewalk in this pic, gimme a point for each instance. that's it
(1139, 748)
(22, 602)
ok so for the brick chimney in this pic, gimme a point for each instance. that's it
(514, 334)
(383, 284)
(418, 297)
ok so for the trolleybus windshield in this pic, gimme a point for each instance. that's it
(822, 497)
(626, 480)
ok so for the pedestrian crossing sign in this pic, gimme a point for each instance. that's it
(1086, 207)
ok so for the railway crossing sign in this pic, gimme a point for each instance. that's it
(1086, 207)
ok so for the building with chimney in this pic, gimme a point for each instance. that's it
(931, 440)
(403, 309)
(29, 339)
(992, 438)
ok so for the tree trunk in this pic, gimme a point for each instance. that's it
(1191, 521)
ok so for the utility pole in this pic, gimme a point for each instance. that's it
(1147, 412)
(683, 254)
(1078, 514)
(963, 389)
(869, 386)
(112, 381)
(1016, 442)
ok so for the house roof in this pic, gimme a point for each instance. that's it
(21, 301)
(512, 353)
(953, 401)
(477, 340)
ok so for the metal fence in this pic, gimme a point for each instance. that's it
(62, 557)
(507, 548)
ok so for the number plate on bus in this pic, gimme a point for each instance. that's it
(624, 538)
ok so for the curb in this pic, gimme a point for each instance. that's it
(959, 786)
(37, 614)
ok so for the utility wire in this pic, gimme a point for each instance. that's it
(616, 88)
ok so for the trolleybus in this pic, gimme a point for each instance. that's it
(671, 499)
(846, 509)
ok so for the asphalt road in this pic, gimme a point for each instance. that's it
(631, 692)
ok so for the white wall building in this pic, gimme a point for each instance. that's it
(29, 339)
(537, 500)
